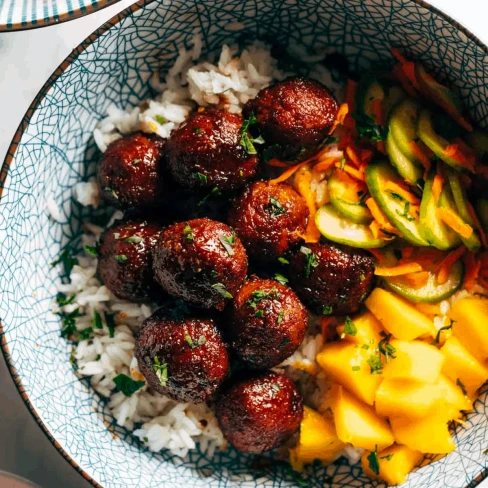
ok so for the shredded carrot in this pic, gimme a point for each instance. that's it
(303, 181)
(405, 82)
(428, 308)
(453, 151)
(408, 67)
(324, 164)
(418, 279)
(375, 229)
(378, 215)
(401, 269)
(351, 94)
(437, 187)
(446, 264)
(398, 55)
(355, 173)
(277, 163)
(352, 155)
(340, 117)
(473, 266)
(420, 154)
(477, 224)
(455, 222)
(403, 192)
(286, 174)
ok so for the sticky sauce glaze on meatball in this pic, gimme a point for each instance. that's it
(205, 152)
(125, 260)
(330, 278)
(184, 359)
(201, 261)
(267, 323)
(259, 413)
(294, 116)
(269, 220)
(130, 171)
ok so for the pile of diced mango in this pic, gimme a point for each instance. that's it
(398, 384)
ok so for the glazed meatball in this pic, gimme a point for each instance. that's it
(205, 152)
(269, 220)
(125, 259)
(184, 359)
(201, 261)
(267, 323)
(130, 171)
(259, 413)
(332, 279)
(294, 116)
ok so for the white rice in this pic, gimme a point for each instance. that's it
(161, 423)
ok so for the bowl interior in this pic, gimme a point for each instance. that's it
(54, 149)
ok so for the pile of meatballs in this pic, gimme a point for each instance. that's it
(203, 234)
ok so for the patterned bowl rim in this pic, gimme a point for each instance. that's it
(58, 19)
(13, 147)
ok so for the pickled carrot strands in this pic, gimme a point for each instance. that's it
(437, 185)
(446, 264)
(473, 267)
(455, 222)
(418, 279)
(399, 270)
(303, 180)
(403, 192)
(341, 115)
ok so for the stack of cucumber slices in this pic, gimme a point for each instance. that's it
(418, 141)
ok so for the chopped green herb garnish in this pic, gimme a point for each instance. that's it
(120, 258)
(350, 327)
(375, 364)
(276, 387)
(385, 348)
(343, 164)
(356, 368)
(193, 344)
(387, 457)
(280, 278)
(259, 313)
(311, 260)
(72, 358)
(247, 140)
(91, 250)
(201, 177)
(145, 439)
(276, 208)
(68, 328)
(406, 212)
(327, 310)
(362, 276)
(110, 320)
(368, 129)
(97, 321)
(127, 385)
(228, 242)
(85, 333)
(188, 232)
(213, 192)
(283, 260)
(67, 259)
(462, 386)
(258, 295)
(271, 152)
(161, 371)
(136, 162)
(283, 343)
(438, 335)
(160, 119)
(134, 239)
(198, 130)
(221, 289)
(365, 346)
(112, 192)
(61, 299)
(374, 463)
(281, 315)
(396, 196)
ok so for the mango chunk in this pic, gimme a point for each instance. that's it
(400, 397)
(428, 434)
(470, 317)
(368, 329)
(318, 440)
(414, 360)
(462, 368)
(453, 398)
(347, 364)
(399, 317)
(395, 463)
(357, 423)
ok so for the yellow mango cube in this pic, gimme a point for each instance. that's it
(415, 360)
(399, 317)
(399, 397)
(368, 329)
(357, 423)
(463, 368)
(427, 435)
(318, 440)
(347, 364)
(453, 398)
(395, 464)
(470, 317)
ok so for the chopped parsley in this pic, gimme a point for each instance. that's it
(362, 276)
(365, 346)
(110, 319)
(111, 192)
(134, 239)
(283, 260)
(213, 192)
(72, 358)
(91, 250)
(201, 177)
(258, 295)
(200, 342)
(350, 327)
(281, 315)
(276, 208)
(198, 130)
(120, 258)
(127, 385)
(161, 371)
(327, 310)
(259, 313)
(97, 321)
(374, 463)
(188, 232)
(281, 279)
(247, 140)
(67, 259)
(219, 287)
(61, 299)
(368, 129)
(271, 152)
(385, 348)
(387, 457)
(406, 212)
(85, 333)
(462, 386)
(228, 242)
(68, 328)
(438, 335)
(356, 368)
(283, 343)
(160, 119)
(375, 364)
(396, 196)
(311, 260)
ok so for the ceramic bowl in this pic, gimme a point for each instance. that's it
(53, 149)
